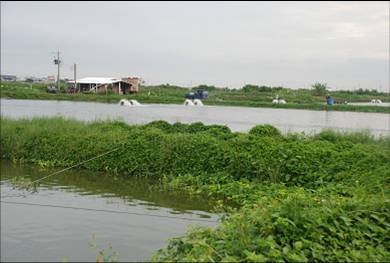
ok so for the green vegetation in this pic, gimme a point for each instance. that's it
(292, 224)
(265, 130)
(249, 95)
(320, 89)
(296, 198)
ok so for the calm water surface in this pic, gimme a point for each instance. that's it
(52, 228)
(237, 118)
(383, 104)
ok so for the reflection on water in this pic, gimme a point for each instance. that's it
(146, 215)
(133, 190)
(237, 118)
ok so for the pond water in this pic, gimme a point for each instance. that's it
(58, 218)
(383, 104)
(237, 118)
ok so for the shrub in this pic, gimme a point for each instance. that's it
(162, 125)
(264, 130)
(319, 89)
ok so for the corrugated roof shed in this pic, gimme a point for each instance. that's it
(94, 80)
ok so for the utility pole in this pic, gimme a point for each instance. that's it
(57, 62)
(58, 74)
(75, 80)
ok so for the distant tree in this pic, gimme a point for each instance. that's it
(205, 87)
(278, 88)
(319, 89)
(250, 88)
(264, 88)
(368, 92)
(360, 91)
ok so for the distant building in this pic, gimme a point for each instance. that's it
(134, 81)
(103, 85)
(33, 79)
(8, 78)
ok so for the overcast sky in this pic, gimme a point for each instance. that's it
(227, 44)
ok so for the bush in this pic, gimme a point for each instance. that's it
(162, 125)
(319, 89)
(264, 130)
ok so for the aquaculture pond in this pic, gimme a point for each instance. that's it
(57, 219)
(236, 118)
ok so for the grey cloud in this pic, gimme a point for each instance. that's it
(226, 44)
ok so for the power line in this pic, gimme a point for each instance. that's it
(63, 170)
(89, 209)
(109, 211)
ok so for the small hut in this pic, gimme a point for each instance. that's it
(134, 83)
(104, 85)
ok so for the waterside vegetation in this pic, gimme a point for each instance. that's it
(323, 197)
